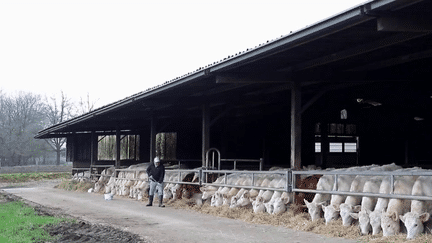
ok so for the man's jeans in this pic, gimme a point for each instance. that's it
(156, 186)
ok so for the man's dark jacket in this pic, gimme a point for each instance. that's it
(158, 173)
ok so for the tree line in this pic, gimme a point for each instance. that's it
(23, 114)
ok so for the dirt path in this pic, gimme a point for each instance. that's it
(160, 224)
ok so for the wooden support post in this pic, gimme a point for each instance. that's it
(407, 153)
(94, 152)
(93, 145)
(325, 143)
(296, 126)
(118, 138)
(152, 138)
(205, 131)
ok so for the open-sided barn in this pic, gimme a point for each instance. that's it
(353, 89)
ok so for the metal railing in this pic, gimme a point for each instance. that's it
(79, 170)
(260, 161)
(390, 174)
(180, 172)
(290, 180)
(95, 175)
(219, 160)
(285, 173)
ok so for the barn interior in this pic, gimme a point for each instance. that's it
(353, 89)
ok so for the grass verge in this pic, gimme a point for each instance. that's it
(21, 223)
(35, 176)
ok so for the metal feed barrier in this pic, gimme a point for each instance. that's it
(290, 176)
(391, 174)
(215, 151)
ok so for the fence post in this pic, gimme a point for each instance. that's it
(391, 184)
(290, 181)
(335, 183)
(252, 179)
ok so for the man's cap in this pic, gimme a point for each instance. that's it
(156, 160)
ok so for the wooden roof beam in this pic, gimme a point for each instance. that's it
(405, 23)
(393, 61)
(358, 50)
(248, 79)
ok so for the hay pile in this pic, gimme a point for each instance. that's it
(295, 219)
(73, 185)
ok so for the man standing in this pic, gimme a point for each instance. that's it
(156, 174)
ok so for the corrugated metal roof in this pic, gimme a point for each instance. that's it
(346, 19)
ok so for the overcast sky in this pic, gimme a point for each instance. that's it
(112, 49)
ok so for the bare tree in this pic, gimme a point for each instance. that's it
(85, 106)
(21, 116)
(58, 109)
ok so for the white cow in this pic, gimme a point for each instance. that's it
(110, 186)
(217, 199)
(243, 201)
(325, 183)
(270, 204)
(332, 211)
(141, 186)
(253, 193)
(258, 205)
(236, 198)
(372, 185)
(382, 203)
(103, 179)
(416, 220)
(208, 192)
(280, 204)
(197, 197)
(390, 223)
(228, 196)
(352, 203)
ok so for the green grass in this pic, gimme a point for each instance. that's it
(35, 176)
(20, 223)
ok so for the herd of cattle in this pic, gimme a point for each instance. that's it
(373, 214)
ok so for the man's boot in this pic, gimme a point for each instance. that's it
(150, 203)
(161, 201)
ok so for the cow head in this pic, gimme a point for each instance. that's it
(364, 221)
(269, 207)
(390, 223)
(258, 205)
(218, 199)
(98, 186)
(331, 213)
(167, 193)
(207, 193)
(244, 200)
(314, 209)
(345, 213)
(279, 205)
(375, 221)
(414, 222)
(226, 200)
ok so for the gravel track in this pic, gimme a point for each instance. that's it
(100, 218)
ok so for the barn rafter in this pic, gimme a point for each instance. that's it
(274, 100)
